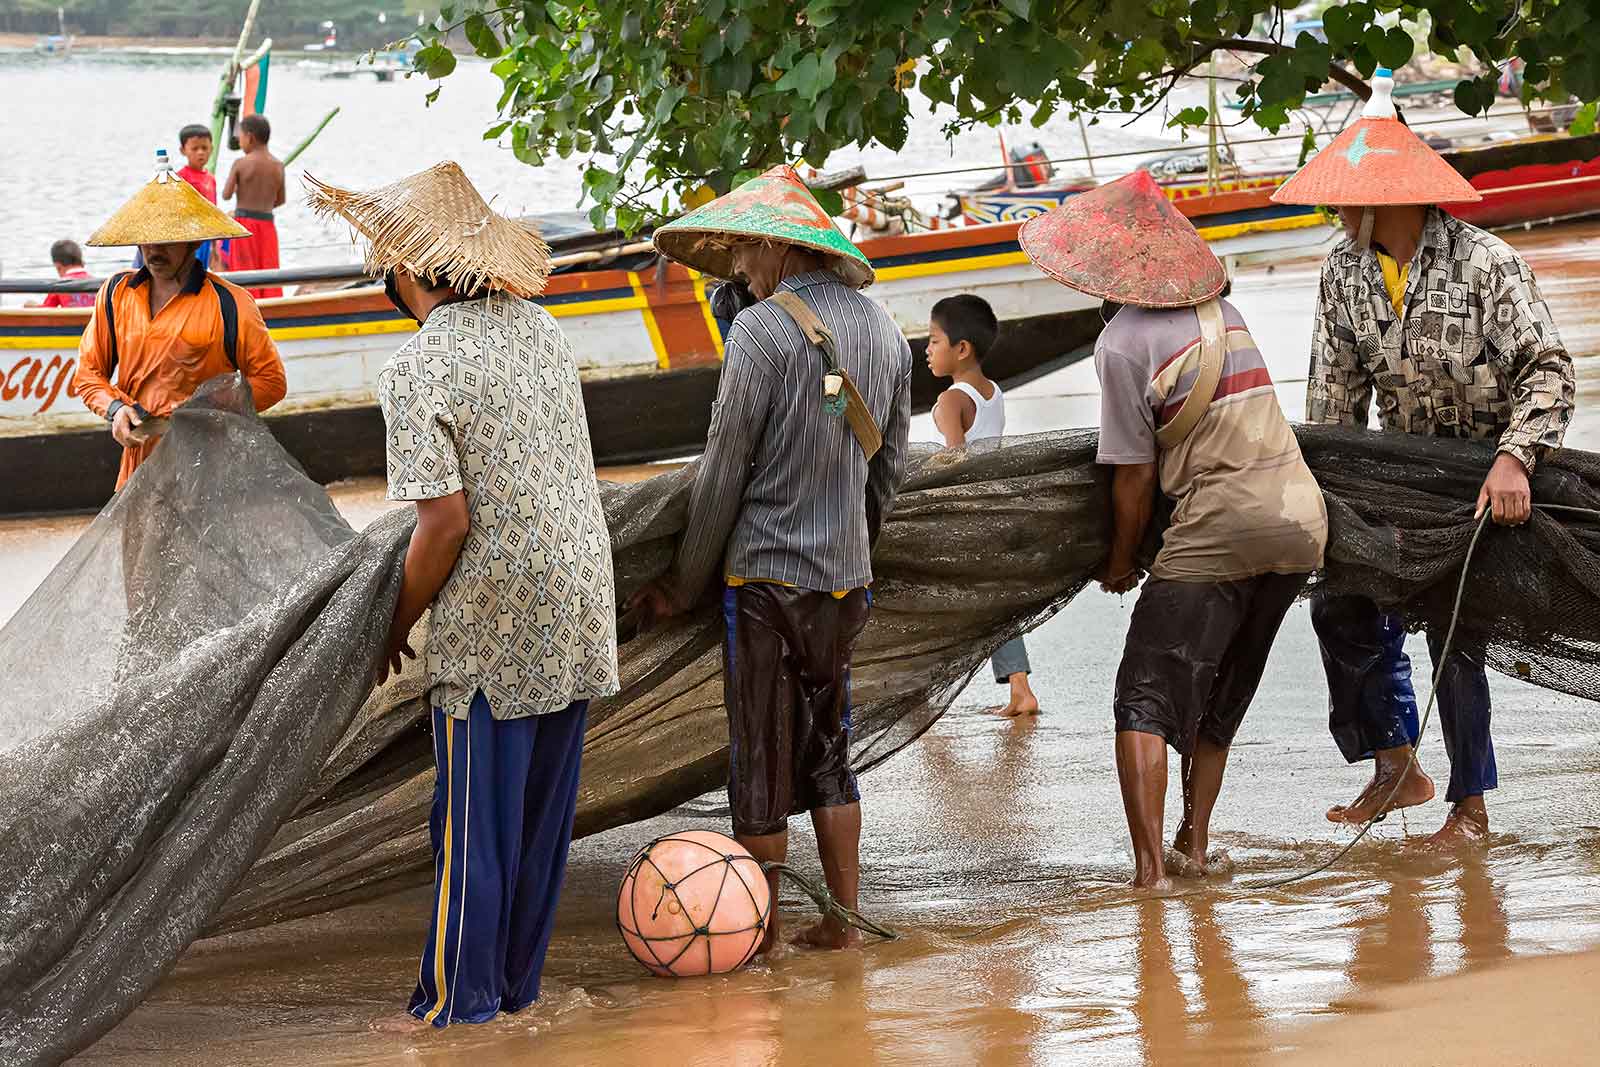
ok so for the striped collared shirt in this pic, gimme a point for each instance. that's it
(784, 493)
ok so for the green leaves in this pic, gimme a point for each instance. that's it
(668, 97)
(809, 77)
(1583, 123)
(1189, 116)
(482, 37)
(435, 61)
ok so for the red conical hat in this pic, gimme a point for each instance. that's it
(1125, 242)
(1375, 163)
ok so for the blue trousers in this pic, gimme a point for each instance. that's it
(503, 803)
(1010, 658)
(1371, 700)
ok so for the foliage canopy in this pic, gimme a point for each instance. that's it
(682, 96)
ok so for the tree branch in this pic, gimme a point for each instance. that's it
(1271, 48)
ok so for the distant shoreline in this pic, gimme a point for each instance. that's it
(94, 43)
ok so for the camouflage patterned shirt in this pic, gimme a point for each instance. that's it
(1476, 353)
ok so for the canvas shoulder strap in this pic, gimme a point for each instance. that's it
(839, 392)
(229, 309)
(1213, 350)
(109, 308)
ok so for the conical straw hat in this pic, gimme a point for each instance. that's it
(1376, 162)
(1125, 242)
(168, 210)
(435, 225)
(776, 207)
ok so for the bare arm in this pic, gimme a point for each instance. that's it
(233, 181)
(953, 413)
(442, 525)
(282, 195)
(1133, 488)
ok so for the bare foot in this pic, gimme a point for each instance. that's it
(1415, 788)
(1192, 848)
(1016, 709)
(404, 1023)
(1466, 824)
(829, 934)
(1155, 887)
(1180, 864)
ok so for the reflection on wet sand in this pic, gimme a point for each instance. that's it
(999, 848)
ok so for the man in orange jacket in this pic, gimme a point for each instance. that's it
(159, 332)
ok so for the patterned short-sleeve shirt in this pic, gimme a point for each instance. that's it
(486, 399)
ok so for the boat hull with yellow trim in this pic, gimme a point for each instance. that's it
(646, 341)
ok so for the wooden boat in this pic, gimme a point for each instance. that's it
(1527, 181)
(642, 328)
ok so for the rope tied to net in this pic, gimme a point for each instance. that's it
(828, 904)
(1422, 726)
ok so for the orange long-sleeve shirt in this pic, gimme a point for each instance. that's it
(161, 361)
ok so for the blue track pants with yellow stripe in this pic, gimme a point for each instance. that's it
(503, 803)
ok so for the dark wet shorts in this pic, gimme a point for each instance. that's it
(786, 685)
(1195, 653)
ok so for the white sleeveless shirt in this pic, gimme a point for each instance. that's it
(990, 420)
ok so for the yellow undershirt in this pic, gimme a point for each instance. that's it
(1394, 280)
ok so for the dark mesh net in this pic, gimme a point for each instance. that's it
(188, 744)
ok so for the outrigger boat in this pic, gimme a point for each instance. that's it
(648, 343)
(1527, 181)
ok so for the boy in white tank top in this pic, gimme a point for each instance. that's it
(961, 331)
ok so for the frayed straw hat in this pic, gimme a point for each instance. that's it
(1125, 242)
(775, 207)
(168, 210)
(435, 225)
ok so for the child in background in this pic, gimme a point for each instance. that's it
(258, 180)
(961, 331)
(67, 258)
(194, 142)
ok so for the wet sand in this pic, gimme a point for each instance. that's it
(999, 849)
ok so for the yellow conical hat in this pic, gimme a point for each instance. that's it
(166, 211)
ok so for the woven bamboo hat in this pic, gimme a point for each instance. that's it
(168, 210)
(776, 207)
(1377, 162)
(435, 225)
(1124, 241)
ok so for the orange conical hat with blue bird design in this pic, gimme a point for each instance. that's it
(1375, 163)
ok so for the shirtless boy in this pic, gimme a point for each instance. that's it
(256, 185)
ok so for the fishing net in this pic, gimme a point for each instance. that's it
(188, 743)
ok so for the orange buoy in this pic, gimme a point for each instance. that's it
(693, 903)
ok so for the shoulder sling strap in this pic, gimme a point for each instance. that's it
(229, 307)
(1213, 350)
(839, 392)
(226, 304)
(109, 307)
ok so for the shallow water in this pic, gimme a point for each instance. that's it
(999, 849)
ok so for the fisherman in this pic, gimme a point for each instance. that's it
(1445, 324)
(158, 332)
(1186, 404)
(67, 258)
(786, 506)
(487, 433)
(257, 181)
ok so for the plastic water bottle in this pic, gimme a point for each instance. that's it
(163, 165)
(1380, 105)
